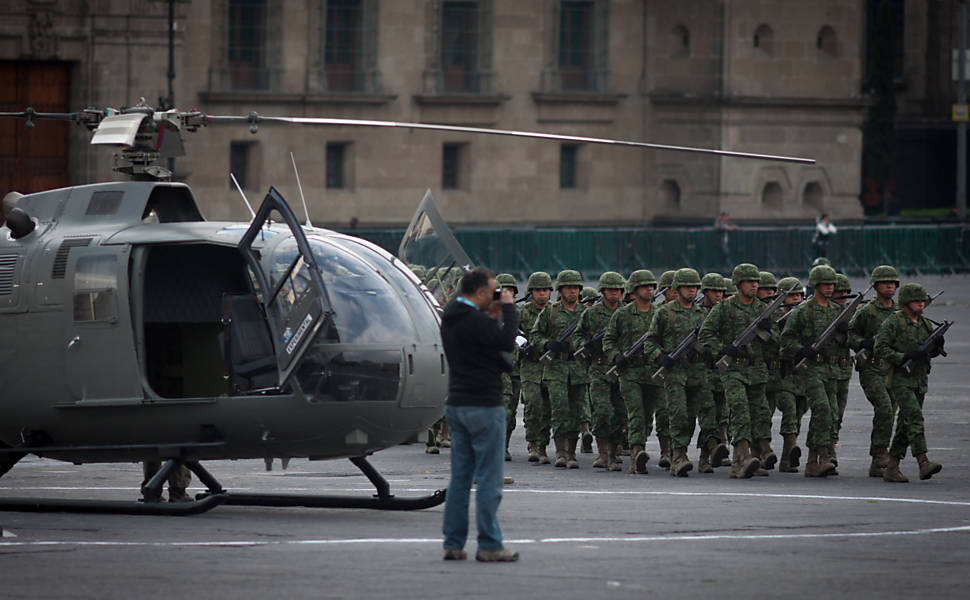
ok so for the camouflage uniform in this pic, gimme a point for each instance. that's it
(898, 338)
(841, 365)
(874, 372)
(806, 325)
(685, 382)
(565, 377)
(608, 413)
(535, 396)
(511, 383)
(639, 392)
(790, 397)
(717, 416)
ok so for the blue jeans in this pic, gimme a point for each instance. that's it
(477, 452)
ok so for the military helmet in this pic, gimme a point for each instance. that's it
(540, 280)
(638, 278)
(842, 283)
(883, 273)
(507, 280)
(418, 270)
(821, 274)
(745, 272)
(821, 260)
(569, 277)
(790, 285)
(686, 277)
(611, 280)
(767, 280)
(911, 292)
(729, 288)
(712, 281)
(667, 279)
(588, 294)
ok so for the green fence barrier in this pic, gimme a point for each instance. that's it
(913, 249)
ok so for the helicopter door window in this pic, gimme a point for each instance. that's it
(96, 289)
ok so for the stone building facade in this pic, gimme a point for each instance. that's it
(748, 75)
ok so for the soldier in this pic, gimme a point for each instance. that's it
(511, 384)
(535, 396)
(873, 371)
(744, 379)
(564, 377)
(790, 396)
(712, 288)
(667, 285)
(685, 381)
(806, 324)
(640, 394)
(608, 412)
(897, 342)
(588, 297)
(841, 364)
(662, 415)
(767, 288)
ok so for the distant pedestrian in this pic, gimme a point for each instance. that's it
(824, 229)
(723, 224)
(473, 339)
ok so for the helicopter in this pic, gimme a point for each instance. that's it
(132, 329)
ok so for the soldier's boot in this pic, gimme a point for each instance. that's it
(664, 462)
(560, 452)
(795, 454)
(444, 436)
(543, 457)
(768, 456)
(623, 449)
(927, 468)
(638, 460)
(825, 455)
(603, 457)
(756, 453)
(745, 465)
(571, 461)
(508, 455)
(587, 441)
(726, 460)
(179, 494)
(679, 464)
(833, 458)
(814, 467)
(785, 466)
(533, 453)
(721, 455)
(892, 473)
(880, 460)
(704, 461)
(613, 461)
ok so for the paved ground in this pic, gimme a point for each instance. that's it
(582, 534)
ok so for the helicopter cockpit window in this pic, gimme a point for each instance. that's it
(368, 309)
(96, 289)
(433, 253)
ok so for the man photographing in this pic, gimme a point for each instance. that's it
(473, 339)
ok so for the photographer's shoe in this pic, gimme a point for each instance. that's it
(455, 554)
(503, 555)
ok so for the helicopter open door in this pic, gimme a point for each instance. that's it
(297, 305)
(429, 242)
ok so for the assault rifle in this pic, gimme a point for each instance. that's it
(637, 346)
(547, 357)
(928, 344)
(686, 344)
(598, 336)
(931, 299)
(781, 320)
(831, 329)
(753, 329)
(863, 355)
(660, 293)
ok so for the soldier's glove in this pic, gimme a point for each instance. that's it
(868, 344)
(555, 347)
(764, 325)
(937, 349)
(915, 355)
(732, 351)
(842, 327)
(620, 361)
(664, 360)
(806, 352)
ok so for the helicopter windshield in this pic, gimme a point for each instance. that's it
(431, 250)
(368, 310)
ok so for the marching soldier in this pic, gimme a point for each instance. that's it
(535, 396)
(744, 379)
(767, 288)
(608, 412)
(790, 395)
(873, 371)
(685, 381)
(841, 364)
(511, 384)
(589, 296)
(564, 377)
(667, 285)
(640, 394)
(806, 324)
(898, 341)
(662, 416)
(712, 288)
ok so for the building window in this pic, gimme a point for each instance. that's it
(568, 163)
(343, 46)
(772, 196)
(337, 153)
(247, 45)
(670, 194)
(239, 158)
(813, 197)
(450, 166)
(576, 45)
(459, 46)
(826, 43)
(679, 42)
(763, 41)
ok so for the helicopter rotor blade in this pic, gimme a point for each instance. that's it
(255, 119)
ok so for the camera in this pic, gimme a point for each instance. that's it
(497, 294)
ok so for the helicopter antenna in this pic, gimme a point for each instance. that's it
(252, 213)
(300, 186)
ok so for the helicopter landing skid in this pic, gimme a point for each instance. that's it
(383, 500)
(117, 507)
